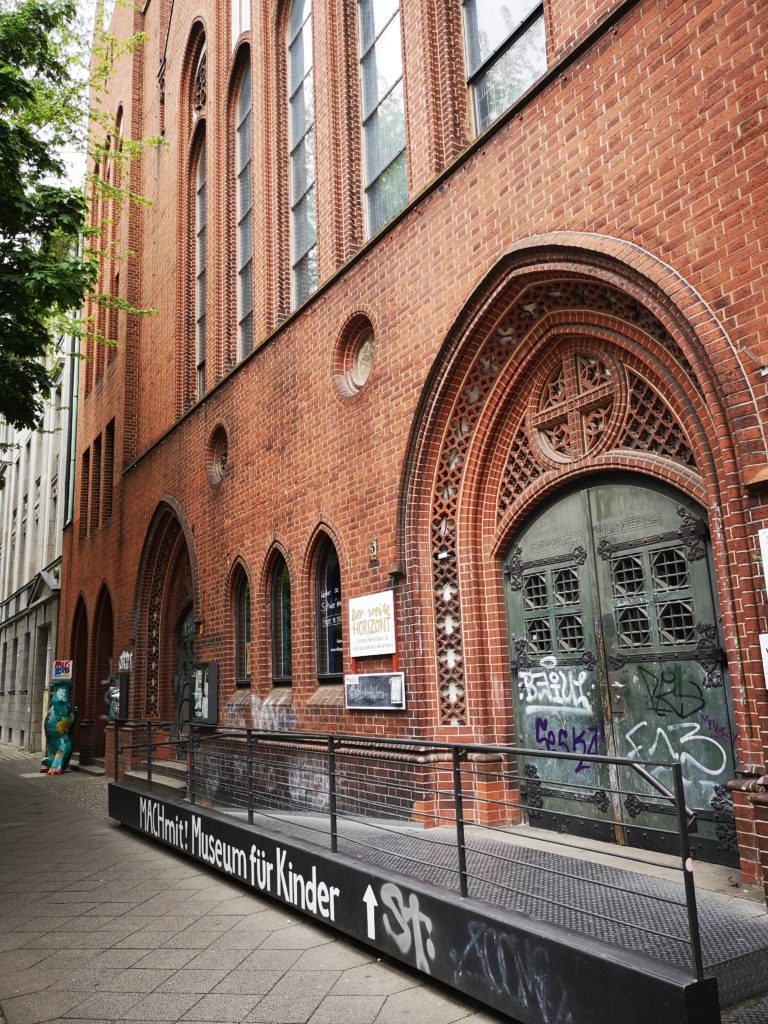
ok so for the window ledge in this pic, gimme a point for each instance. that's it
(279, 697)
(328, 696)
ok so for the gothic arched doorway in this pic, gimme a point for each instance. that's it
(164, 618)
(184, 671)
(103, 644)
(79, 649)
(615, 648)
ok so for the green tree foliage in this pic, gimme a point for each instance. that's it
(50, 259)
(44, 271)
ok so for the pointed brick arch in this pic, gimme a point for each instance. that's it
(78, 647)
(100, 665)
(167, 584)
(508, 374)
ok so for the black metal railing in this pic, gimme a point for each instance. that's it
(451, 814)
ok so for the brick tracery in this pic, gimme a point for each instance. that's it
(582, 401)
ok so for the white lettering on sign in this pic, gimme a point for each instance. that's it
(275, 876)
(154, 820)
(306, 894)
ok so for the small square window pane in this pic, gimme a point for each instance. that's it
(245, 196)
(201, 210)
(382, 66)
(305, 277)
(246, 335)
(384, 133)
(245, 240)
(244, 97)
(201, 294)
(302, 112)
(507, 79)
(488, 23)
(304, 233)
(388, 194)
(246, 289)
(300, 56)
(244, 143)
(300, 9)
(201, 250)
(374, 14)
(303, 166)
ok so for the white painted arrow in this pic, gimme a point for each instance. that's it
(370, 901)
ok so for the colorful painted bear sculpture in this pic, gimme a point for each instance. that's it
(59, 723)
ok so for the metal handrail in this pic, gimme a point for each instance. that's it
(456, 759)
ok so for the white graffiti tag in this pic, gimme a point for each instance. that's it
(411, 929)
(549, 686)
(679, 738)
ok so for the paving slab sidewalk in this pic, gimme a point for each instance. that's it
(98, 924)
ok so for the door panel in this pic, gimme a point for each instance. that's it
(182, 680)
(557, 668)
(664, 665)
(615, 649)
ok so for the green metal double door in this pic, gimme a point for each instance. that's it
(615, 649)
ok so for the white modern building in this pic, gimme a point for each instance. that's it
(34, 505)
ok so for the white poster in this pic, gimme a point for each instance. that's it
(372, 624)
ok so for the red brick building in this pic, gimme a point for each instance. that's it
(463, 300)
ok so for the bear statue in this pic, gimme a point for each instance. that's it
(59, 723)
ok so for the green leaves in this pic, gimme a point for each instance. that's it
(41, 267)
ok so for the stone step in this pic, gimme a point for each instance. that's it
(95, 765)
(161, 784)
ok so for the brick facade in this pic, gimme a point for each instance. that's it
(633, 173)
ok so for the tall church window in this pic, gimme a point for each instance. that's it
(385, 176)
(328, 627)
(301, 135)
(242, 615)
(200, 267)
(505, 53)
(240, 12)
(244, 192)
(280, 623)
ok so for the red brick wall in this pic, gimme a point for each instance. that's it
(654, 137)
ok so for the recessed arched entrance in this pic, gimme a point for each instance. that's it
(103, 646)
(79, 649)
(615, 648)
(164, 619)
(564, 370)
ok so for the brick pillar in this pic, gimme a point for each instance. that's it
(742, 790)
(759, 802)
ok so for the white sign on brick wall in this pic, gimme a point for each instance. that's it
(372, 624)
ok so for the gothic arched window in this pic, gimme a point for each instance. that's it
(280, 623)
(244, 214)
(301, 143)
(328, 625)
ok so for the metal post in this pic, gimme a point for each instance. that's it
(249, 754)
(690, 888)
(149, 755)
(458, 803)
(116, 737)
(332, 791)
(191, 786)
